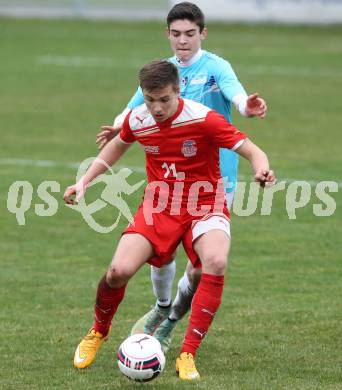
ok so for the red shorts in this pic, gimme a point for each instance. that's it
(167, 231)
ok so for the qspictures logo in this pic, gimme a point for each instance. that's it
(247, 198)
(20, 193)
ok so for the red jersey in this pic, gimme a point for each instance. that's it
(183, 152)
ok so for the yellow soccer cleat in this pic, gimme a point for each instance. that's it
(185, 367)
(86, 350)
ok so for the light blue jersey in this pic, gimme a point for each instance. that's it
(210, 80)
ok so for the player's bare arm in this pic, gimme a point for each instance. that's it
(259, 161)
(110, 154)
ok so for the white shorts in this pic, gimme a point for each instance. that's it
(210, 222)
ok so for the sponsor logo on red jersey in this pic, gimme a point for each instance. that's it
(151, 149)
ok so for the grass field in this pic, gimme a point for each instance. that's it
(279, 326)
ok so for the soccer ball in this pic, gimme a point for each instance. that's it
(140, 357)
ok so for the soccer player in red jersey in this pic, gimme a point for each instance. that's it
(210, 80)
(183, 202)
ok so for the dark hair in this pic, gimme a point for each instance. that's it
(188, 11)
(159, 74)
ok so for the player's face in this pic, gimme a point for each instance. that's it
(162, 103)
(185, 38)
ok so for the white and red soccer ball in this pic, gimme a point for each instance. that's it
(140, 357)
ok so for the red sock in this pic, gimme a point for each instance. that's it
(205, 303)
(107, 301)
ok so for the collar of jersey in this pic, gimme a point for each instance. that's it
(168, 121)
(192, 60)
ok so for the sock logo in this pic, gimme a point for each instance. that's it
(99, 320)
(199, 333)
(208, 311)
(103, 310)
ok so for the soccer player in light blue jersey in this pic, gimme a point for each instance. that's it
(210, 80)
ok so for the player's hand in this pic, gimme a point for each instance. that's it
(256, 106)
(73, 194)
(265, 178)
(106, 134)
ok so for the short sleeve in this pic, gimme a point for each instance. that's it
(126, 134)
(222, 133)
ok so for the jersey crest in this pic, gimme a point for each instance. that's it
(189, 148)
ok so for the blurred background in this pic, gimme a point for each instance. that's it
(290, 11)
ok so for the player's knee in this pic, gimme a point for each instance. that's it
(194, 276)
(117, 277)
(215, 263)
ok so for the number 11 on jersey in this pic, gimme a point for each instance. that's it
(169, 169)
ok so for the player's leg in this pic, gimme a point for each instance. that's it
(110, 292)
(161, 320)
(187, 286)
(212, 248)
(162, 279)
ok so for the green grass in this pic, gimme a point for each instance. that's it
(280, 323)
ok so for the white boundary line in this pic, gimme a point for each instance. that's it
(107, 62)
(93, 62)
(75, 165)
(56, 164)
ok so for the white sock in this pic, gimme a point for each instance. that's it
(182, 302)
(162, 279)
